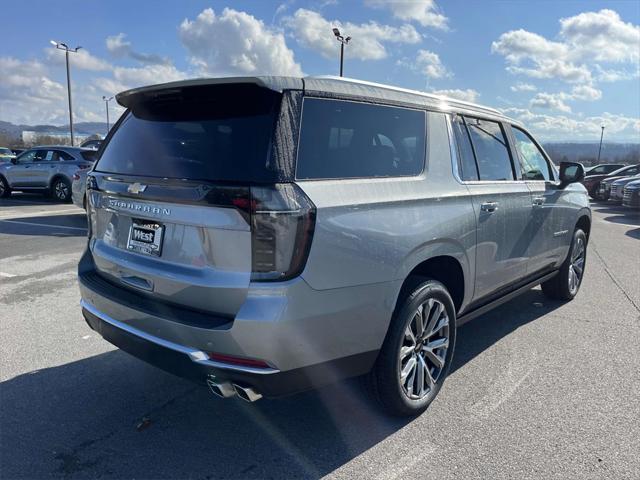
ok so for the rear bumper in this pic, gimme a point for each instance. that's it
(309, 338)
(193, 364)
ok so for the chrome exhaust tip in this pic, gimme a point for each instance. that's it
(220, 389)
(248, 394)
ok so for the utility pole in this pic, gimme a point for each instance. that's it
(106, 106)
(63, 46)
(343, 41)
(600, 148)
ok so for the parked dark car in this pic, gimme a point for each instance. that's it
(600, 191)
(603, 169)
(91, 144)
(631, 194)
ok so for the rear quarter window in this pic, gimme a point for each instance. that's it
(344, 139)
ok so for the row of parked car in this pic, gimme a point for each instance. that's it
(47, 169)
(614, 182)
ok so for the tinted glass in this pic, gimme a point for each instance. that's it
(490, 146)
(467, 162)
(534, 165)
(89, 156)
(27, 157)
(340, 139)
(216, 134)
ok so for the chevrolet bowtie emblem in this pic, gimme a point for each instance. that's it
(136, 188)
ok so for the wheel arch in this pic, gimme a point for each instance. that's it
(56, 177)
(584, 224)
(446, 269)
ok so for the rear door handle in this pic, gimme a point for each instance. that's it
(489, 207)
(538, 201)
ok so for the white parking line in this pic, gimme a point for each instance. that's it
(6, 275)
(40, 213)
(33, 224)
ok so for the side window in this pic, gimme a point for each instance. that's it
(466, 159)
(27, 157)
(40, 156)
(632, 171)
(490, 146)
(534, 165)
(63, 156)
(343, 139)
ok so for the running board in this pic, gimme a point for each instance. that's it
(504, 299)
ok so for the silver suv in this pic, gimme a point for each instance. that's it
(47, 169)
(270, 235)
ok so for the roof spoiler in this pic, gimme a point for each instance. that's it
(128, 98)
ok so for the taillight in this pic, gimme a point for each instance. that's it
(282, 224)
(282, 220)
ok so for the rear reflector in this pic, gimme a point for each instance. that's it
(244, 362)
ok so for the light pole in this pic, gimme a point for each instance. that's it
(600, 148)
(63, 46)
(106, 106)
(343, 41)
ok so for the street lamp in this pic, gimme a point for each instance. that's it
(343, 41)
(106, 106)
(63, 46)
(600, 148)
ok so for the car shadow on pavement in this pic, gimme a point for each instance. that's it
(73, 225)
(18, 199)
(112, 416)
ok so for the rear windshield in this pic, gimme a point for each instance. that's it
(214, 134)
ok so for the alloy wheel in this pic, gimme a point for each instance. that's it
(576, 267)
(61, 190)
(424, 349)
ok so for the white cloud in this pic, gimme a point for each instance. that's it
(82, 59)
(236, 43)
(28, 92)
(427, 63)
(523, 87)
(468, 95)
(119, 47)
(601, 36)
(425, 12)
(313, 31)
(587, 41)
(550, 101)
(556, 101)
(561, 127)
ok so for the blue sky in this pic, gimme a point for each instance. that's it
(563, 67)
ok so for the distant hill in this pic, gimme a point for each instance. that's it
(12, 134)
(587, 153)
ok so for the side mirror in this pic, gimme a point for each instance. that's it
(14, 160)
(571, 172)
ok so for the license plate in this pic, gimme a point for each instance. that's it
(145, 237)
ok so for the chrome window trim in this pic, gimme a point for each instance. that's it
(455, 164)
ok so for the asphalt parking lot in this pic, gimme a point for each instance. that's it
(538, 389)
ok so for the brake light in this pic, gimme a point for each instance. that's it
(282, 225)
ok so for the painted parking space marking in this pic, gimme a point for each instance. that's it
(46, 225)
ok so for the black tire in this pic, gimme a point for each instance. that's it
(560, 287)
(61, 189)
(5, 190)
(385, 380)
